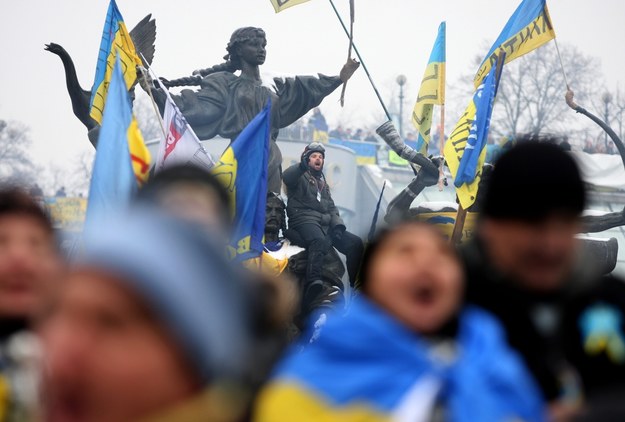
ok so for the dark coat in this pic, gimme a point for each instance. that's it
(303, 206)
(533, 321)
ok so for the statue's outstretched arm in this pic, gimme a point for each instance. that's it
(599, 223)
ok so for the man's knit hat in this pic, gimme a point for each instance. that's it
(202, 300)
(532, 181)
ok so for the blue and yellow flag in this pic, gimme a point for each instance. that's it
(432, 91)
(122, 160)
(465, 150)
(528, 28)
(242, 169)
(115, 41)
(368, 367)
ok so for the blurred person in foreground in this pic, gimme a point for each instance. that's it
(153, 323)
(30, 266)
(193, 194)
(408, 349)
(525, 266)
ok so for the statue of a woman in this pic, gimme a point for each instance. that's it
(226, 103)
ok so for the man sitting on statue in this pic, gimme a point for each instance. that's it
(315, 218)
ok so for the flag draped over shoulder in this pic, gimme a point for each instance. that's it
(116, 41)
(366, 366)
(465, 150)
(180, 144)
(528, 28)
(242, 169)
(280, 5)
(432, 91)
(122, 160)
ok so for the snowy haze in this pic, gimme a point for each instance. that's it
(394, 36)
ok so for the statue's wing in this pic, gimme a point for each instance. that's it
(144, 36)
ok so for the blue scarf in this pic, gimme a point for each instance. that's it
(368, 360)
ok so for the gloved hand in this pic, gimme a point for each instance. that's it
(338, 231)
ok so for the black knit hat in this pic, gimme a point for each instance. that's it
(532, 181)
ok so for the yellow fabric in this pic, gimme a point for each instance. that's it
(280, 5)
(5, 394)
(361, 161)
(321, 136)
(267, 264)
(139, 153)
(529, 38)
(453, 151)
(226, 172)
(124, 47)
(445, 222)
(432, 92)
(396, 160)
(283, 402)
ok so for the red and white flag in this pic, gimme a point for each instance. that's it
(180, 145)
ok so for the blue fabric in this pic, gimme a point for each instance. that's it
(251, 154)
(111, 26)
(483, 99)
(113, 180)
(438, 51)
(368, 357)
(362, 149)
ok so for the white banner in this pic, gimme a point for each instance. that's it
(181, 145)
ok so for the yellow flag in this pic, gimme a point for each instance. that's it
(432, 91)
(454, 148)
(139, 153)
(280, 5)
(115, 42)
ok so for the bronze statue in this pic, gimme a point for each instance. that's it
(143, 36)
(226, 103)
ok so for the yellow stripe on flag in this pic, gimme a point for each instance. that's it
(139, 153)
(454, 148)
(538, 32)
(432, 92)
(288, 402)
(124, 47)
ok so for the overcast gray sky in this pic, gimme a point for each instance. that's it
(394, 36)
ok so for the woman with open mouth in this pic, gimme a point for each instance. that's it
(409, 349)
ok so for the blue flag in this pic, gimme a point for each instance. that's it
(483, 99)
(242, 169)
(113, 181)
(527, 29)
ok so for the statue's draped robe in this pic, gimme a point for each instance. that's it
(226, 103)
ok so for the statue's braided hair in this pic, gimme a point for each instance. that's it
(232, 60)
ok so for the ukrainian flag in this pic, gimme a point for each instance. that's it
(122, 160)
(369, 367)
(116, 41)
(242, 169)
(465, 150)
(528, 28)
(432, 91)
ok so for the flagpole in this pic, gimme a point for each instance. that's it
(158, 114)
(441, 146)
(364, 67)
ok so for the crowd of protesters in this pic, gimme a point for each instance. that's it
(150, 321)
